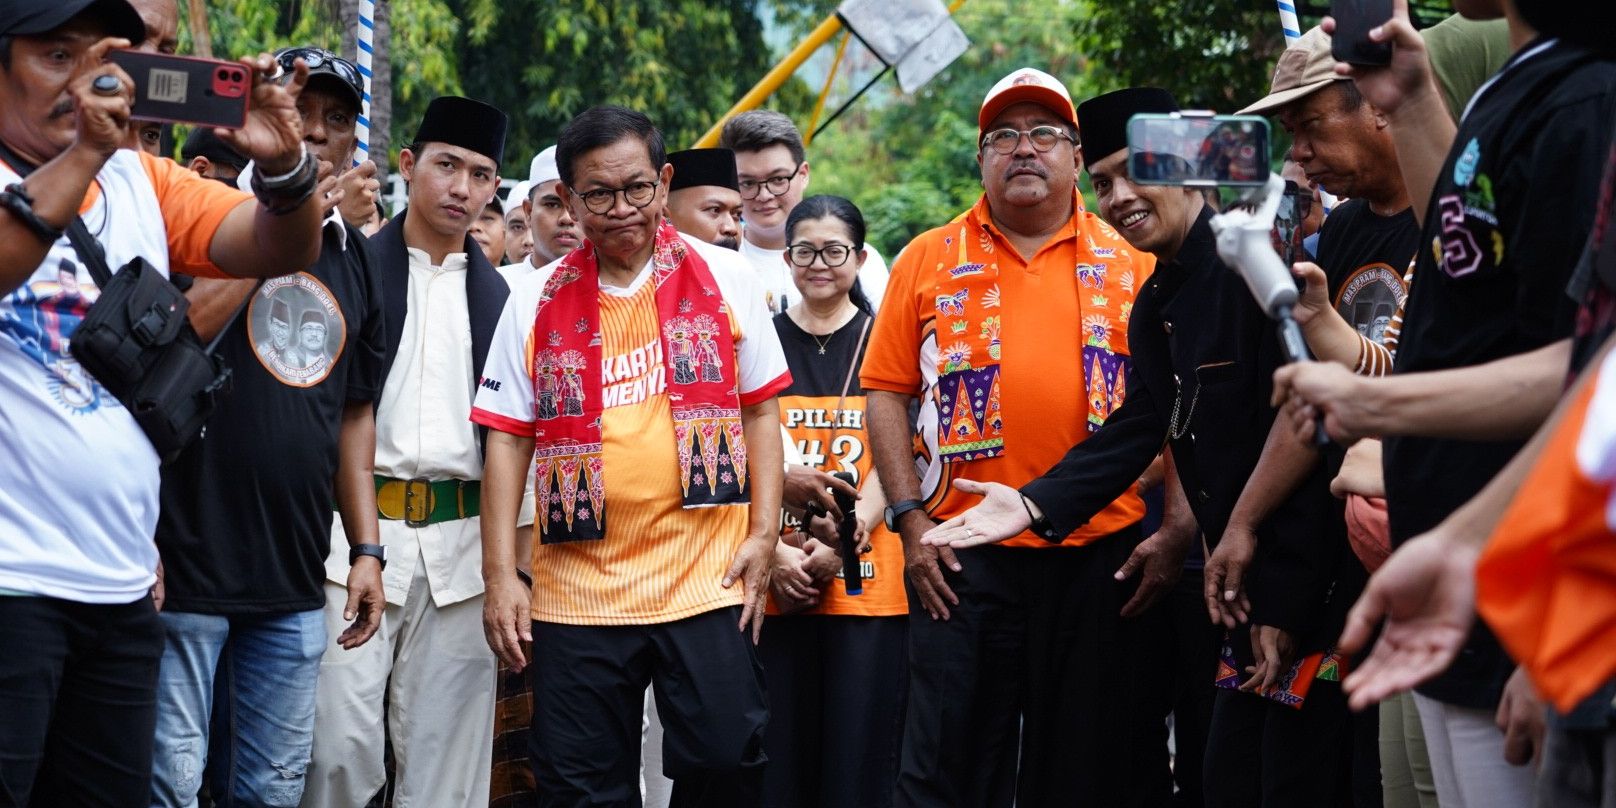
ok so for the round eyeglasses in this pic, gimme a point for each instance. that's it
(1043, 138)
(637, 194)
(777, 185)
(803, 254)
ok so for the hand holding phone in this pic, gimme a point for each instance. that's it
(184, 89)
(1353, 20)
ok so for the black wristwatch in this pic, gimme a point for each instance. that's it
(376, 551)
(898, 509)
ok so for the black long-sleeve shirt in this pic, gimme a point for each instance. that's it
(1204, 357)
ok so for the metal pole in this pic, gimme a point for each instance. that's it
(824, 93)
(366, 39)
(775, 77)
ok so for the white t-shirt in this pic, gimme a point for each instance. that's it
(507, 389)
(780, 292)
(79, 480)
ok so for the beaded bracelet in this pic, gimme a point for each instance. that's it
(17, 200)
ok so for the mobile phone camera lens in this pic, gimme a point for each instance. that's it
(236, 75)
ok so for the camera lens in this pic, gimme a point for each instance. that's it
(235, 75)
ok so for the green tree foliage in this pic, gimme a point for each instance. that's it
(683, 62)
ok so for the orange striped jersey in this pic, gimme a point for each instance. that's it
(659, 562)
(832, 438)
(1547, 581)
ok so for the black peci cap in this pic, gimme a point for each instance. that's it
(203, 143)
(1103, 120)
(465, 123)
(696, 167)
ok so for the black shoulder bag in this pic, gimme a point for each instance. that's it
(137, 342)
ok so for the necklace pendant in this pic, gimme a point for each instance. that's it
(822, 350)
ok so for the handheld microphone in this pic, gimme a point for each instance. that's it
(847, 534)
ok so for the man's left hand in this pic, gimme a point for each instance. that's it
(1308, 390)
(1000, 515)
(1160, 561)
(365, 603)
(751, 568)
(1521, 717)
(1275, 650)
(272, 137)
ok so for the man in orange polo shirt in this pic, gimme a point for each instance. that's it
(1009, 325)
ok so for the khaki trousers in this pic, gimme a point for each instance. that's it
(431, 670)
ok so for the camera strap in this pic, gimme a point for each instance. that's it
(95, 258)
(852, 367)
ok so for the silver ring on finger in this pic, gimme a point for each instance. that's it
(106, 84)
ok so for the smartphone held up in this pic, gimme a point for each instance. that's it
(184, 89)
(1198, 149)
(1354, 19)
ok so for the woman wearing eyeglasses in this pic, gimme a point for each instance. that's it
(834, 661)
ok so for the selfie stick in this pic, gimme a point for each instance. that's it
(1244, 244)
(366, 39)
(847, 533)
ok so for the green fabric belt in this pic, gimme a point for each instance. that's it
(420, 502)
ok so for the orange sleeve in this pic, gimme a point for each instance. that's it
(192, 208)
(892, 360)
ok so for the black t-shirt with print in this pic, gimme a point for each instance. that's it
(247, 509)
(1510, 213)
(1365, 256)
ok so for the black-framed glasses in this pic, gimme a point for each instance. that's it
(777, 185)
(637, 194)
(803, 254)
(1043, 138)
(316, 58)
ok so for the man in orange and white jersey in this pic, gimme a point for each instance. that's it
(636, 377)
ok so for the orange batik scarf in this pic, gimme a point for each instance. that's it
(699, 351)
(969, 322)
(1546, 583)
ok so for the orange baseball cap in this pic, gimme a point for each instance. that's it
(1027, 84)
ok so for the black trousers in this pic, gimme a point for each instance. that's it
(1262, 754)
(78, 702)
(1195, 663)
(837, 689)
(1036, 691)
(589, 696)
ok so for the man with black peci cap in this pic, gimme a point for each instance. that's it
(428, 666)
(704, 197)
(244, 565)
(1203, 355)
(207, 155)
(80, 641)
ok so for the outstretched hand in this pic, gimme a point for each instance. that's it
(1001, 515)
(1426, 593)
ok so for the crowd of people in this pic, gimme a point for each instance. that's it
(1033, 516)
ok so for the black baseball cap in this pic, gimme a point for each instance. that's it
(33, 17)
(326, 67)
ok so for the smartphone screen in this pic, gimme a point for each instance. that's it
(1353, 19)
(1201, 150)
(1294, 207)
(183, 89)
